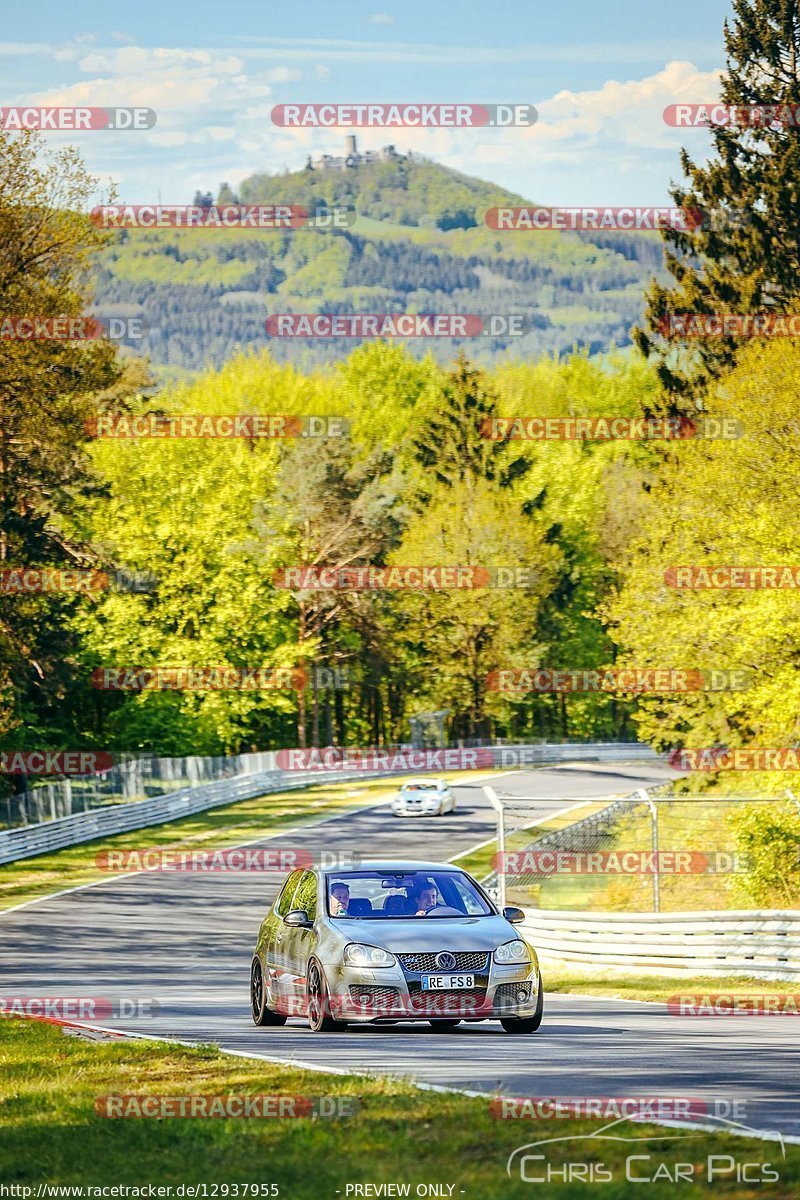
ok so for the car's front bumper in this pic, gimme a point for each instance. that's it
(404, 810)
(359, 994)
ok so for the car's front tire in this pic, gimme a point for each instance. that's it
(258, 998)
(318, 1002)
(526, 1024)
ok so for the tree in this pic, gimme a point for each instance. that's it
(48, 390)
(331, 508)
(459, 636)
(227, 195)
(744, 256)
(453, 445)
(722, 503)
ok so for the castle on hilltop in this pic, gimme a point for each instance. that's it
(352, 157)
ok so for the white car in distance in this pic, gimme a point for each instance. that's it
(424, 798)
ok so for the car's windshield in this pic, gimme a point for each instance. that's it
(420, 787)
(413, 895)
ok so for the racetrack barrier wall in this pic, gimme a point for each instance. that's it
(28, 841)
(764, 944)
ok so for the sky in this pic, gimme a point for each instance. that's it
(599, 76)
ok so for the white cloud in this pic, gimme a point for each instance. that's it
(166, 138)
(216, 103)
(12, 49)
(282, 74)
(351, 50)
(630, 112)
(194, 87)
(221, 133)
(619, 123)
(134, 59)
(380, 19)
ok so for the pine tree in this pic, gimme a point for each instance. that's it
(453, 443)
(744, 254)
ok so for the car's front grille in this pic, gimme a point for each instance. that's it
(362, 993)
(465, 960)
(448, 1004)
(510, 995)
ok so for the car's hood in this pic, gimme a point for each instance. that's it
(429, 933)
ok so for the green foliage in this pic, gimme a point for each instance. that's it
(743, 257)
(406, 192)
(768, 838)
(48, 389)
(418, 243)
(716, 503)
(214, 519)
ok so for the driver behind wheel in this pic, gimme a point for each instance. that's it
(425, 900)
(339, 899)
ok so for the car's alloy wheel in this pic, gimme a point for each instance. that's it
(258, 999)
(444, 1026)
(318, 1003)
(527, 1024)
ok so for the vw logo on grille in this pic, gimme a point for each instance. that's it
(445, 961)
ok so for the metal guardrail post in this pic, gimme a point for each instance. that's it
(648, 800)
(501, 846)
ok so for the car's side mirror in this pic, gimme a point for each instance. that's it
(298, 919)
(513, 915)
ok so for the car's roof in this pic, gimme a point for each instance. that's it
(421, 779)
(392, 865)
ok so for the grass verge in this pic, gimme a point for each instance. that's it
(50, 1131)
(570, 978)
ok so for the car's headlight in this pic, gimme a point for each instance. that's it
(356, 955)
(512, 952)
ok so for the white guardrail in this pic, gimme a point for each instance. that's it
(30, 840)
(764, 944)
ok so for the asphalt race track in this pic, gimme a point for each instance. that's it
(186, 941)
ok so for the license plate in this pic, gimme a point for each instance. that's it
(443, 983)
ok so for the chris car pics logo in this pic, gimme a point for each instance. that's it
(577, 1158)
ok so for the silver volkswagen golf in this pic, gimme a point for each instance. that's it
(392, 941)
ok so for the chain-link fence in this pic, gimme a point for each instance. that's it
(131, 780)
(649, 851)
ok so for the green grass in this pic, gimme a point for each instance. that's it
(571, 977)
(50, 1130)
(228, 825)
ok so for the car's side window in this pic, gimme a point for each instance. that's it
(306, 895)
(285, 898)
